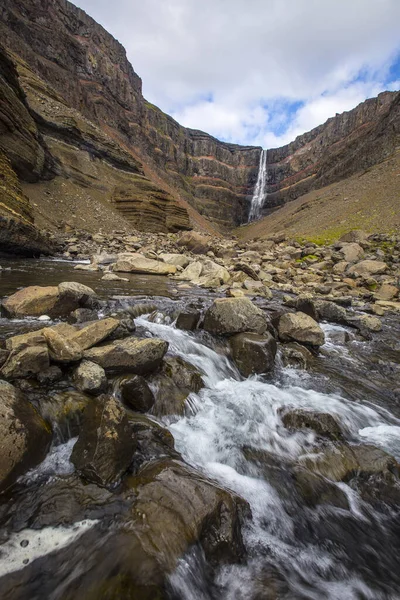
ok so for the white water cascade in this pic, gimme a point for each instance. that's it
(257, 200)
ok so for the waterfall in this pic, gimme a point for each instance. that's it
(257, 200)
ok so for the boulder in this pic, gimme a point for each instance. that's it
(323, 424)
(253, 353)
(172, 386)
(64, 410)
(187, 321)
(136, 394)
(179, 260)
(94, 333)
(183, 374)
(296, 356)
(132, 355)
(192, 271)
(138, 263)
(387, 292)
(352, 252)
(90, 378)
(356, 235)
(62, 347)
(299, 327)
(234, 315)
(25, 437)
(106, 443)
(213, 270)
(332, 312)
(366, 268)
(19, 342)
(342, 462)
(27, 362)
(34, 301)
(195, 242)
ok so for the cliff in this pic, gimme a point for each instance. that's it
(348, 143)
(97, 151)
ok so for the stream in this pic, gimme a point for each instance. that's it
(325, 552)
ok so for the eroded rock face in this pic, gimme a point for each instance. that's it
(234, 315)
(25, 437)
(106, 443)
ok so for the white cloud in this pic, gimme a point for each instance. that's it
(230, 67)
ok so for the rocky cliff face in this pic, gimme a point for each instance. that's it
(346, 144)
(88, 68)
(100, 135)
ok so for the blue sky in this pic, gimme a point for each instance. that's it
(257, 72)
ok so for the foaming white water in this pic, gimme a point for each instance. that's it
(257, 200)
(57, 462)
(29, 544)
(234, 416)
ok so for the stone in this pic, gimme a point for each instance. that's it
(113, 277)
(195, 242)
(19, 342)
(187, 321)
(352, 252)
(386, 292)
(94, 333)
(83, 315)
(332, 312)
(62, 347)
(77, 293)
(213, 270)
(253, 353)
(90, 378)
(31, 301)
(257, 288)
(137, 263)
(64, 410)
(323, 424)
(296, 356)
(172, 386)
(368, 322)
(234, 315)
(299, 327)
(192, 272)
(50, 375)
(356, 235)
(136, 394)
(106, 443)
(185, 376)
(179, 260)
(130, 355)
(366, 268)
(25, 436)
(25, 363)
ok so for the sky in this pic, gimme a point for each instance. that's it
(257, 72)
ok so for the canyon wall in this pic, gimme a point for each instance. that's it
(348, 143)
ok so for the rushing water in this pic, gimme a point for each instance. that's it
(294, 551)
(320, 553)
(257, 200)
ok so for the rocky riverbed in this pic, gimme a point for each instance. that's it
(189, 417)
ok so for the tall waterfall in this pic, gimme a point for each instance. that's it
(257, 200)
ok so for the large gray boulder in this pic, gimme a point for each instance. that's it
(234, 315)
(299, 327)
(130, 355)
(25, 437)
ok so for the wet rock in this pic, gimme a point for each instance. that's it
(64, 410)
(141, 309)
(138, 263)
(83, 315)
(136, 394)
(113, 277)
(332, 312)
(187, 321)
(341, 462)
(19, 342)
(76, 293)
(153, 441)
(129, 355)
(253, 353)
(50, 375)
(366, 268)
(25, 437)
(295, 355)
(106, 443)
(323, 424)
(368, 322)
(234, 315)
(195, 242)
(299, 327)
(4, 354)
(89, 377)
(26, 363)
(173, 385)
(315, 489)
